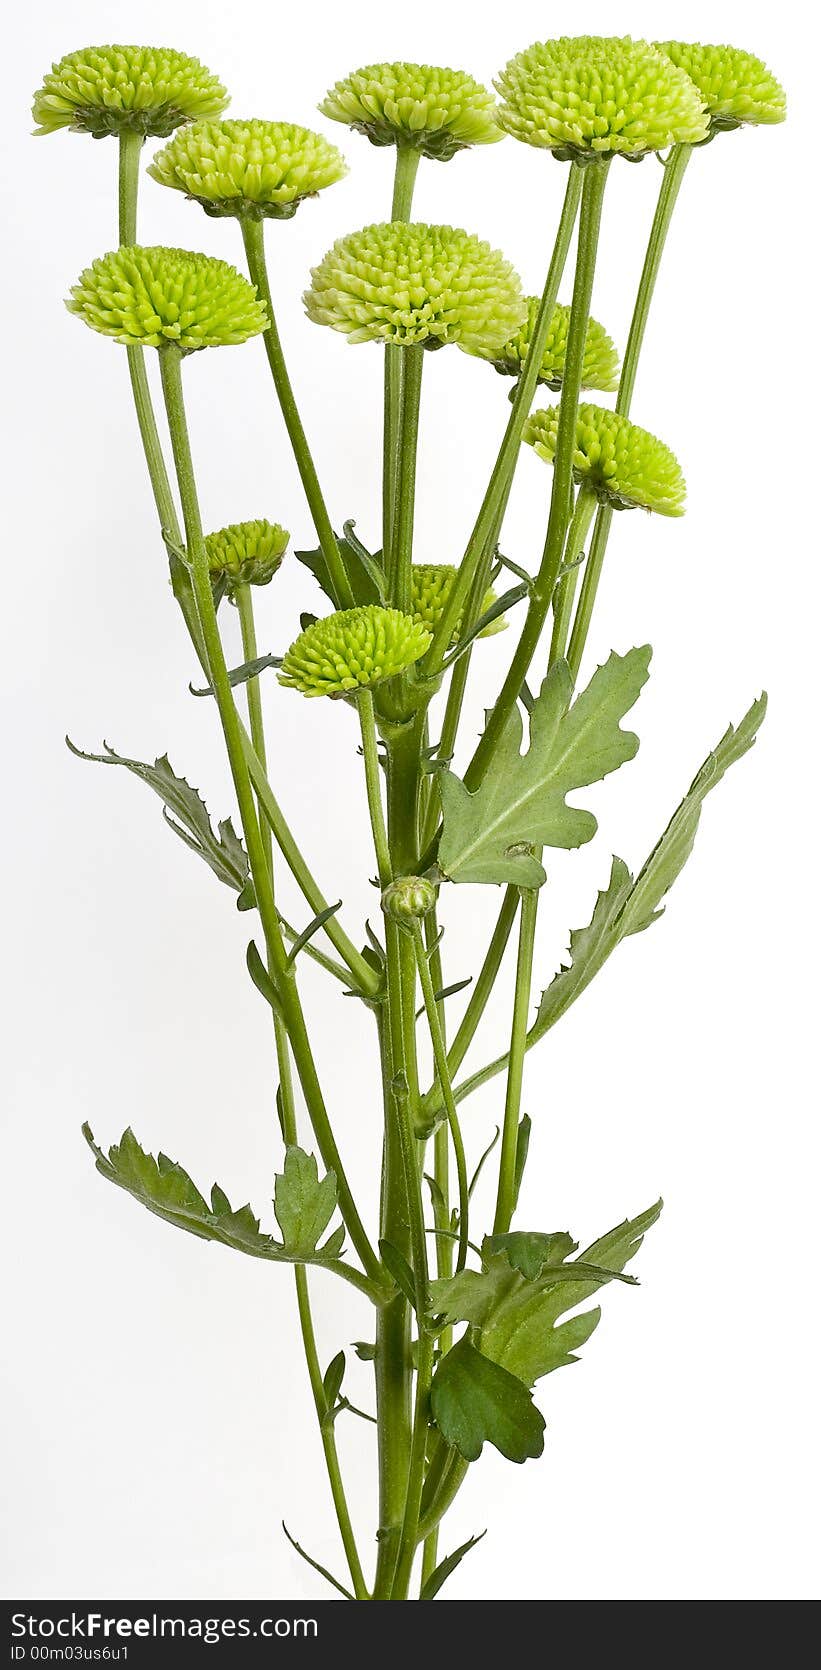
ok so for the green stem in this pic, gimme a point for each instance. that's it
(440, 1057)
(373, 785)
(402, 553)
(674, 171)
(254, 240)
(518, 1045)
(407, 163)
(416, 1472)
(452, 1480)
(504, 468)
(431, 1105)
(130, 147)
(541, 597)
(566, 588)
(287, 994)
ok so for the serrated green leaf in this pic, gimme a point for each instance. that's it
(528, 1251)
(362, 583)
(474, 1401)
(187, 814)
(164, 1188)
(447, 1567)
(518, 1316)
(487, 836)
(241, 674)
(627, 906)
(303, 1204)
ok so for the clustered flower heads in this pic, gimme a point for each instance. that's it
(586, 96)
(107, 89)
(259, 169)
(353, 649)
(158, 296)
(407, 282)
(246, 553)
(431, 585)
(626, 466)
(736, 87)
(436, 111)
(600, 368)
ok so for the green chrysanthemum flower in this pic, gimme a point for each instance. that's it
(626, 466)
(105, 89)
(736, 87)
(246, 553)
(258, 169)
(156, 296)
(436, 111)
(600, 369)
(430, 589)
(353, 649)
(407, 283)
(586, 96)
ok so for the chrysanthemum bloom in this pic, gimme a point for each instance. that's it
(156, 296)
(626, 466)
(736, 87)
(436, 111)
(600, 369)
(259, 169)
(589, 96)
(145, 89)
(353, 649)
(407, 283)
(246, 553)
(431, 585)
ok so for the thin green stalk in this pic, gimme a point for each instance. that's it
(287, 994)
(505, 1195)
(479, 999)
(452, 1480)
(407, 163)
(566, 588)
(416, 1473)
(373, 785)
(674, 171)
(254, 239)
(402, 554)
(504, 468)
(541, 596)
(441, 1177)
(130, 147)
(441, 1060)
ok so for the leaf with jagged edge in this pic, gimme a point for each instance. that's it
(445, 1569)
(187, 814)
(304, 1204)
(474, 1401)
(518, 1317)
(628, 906)
(487, 835)
(166, 1189)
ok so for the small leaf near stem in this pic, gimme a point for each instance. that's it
(506, 1192)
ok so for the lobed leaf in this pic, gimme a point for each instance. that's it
(474, 1401)
(488, 835)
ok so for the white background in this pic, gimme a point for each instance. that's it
(157, 1413)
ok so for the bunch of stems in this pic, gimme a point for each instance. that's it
(419, 1473)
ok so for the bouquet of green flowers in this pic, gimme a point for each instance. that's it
(466, 1318)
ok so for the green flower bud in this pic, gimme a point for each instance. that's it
(436, 111)
(145, 89)
(258, 169)
(600, 369)
(626, 466)
(246, 553)
(156, 296)
(431, 585)
(736, 87)
(409, 898)
(352, 649)
(588, 96)
(407, 283)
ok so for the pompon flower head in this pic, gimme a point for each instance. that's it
(258, 169)
(435, 111)
(736, 87)
(353, 649)
(246, 553)
(408, 283)
(157, 296)
(106, 89)
(585, 96)
(626, 466)
(600, 369)
(430, 589)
